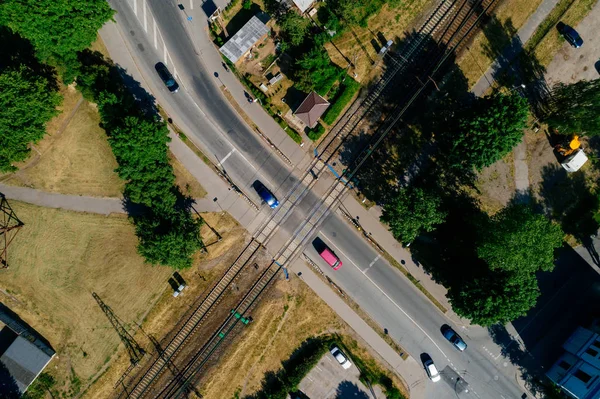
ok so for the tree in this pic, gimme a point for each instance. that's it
(576, 108)
(520, 241)
(294, 27)
(27, 102)
(168, 236)
(58, 29)
(495, 298)
(488, 130)
(314, 71)
(412, 212)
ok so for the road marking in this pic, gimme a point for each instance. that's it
(226, 156)
(145, 19)
(154, 29)
(319, 368)
(390, 299)
(165, 52)
(135, 7)
(191, 4)
(372, 263)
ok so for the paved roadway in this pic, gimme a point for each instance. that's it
(379, 289)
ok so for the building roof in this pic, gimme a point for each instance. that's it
(246, 37)
(24, 361)
(311, 109)
(303, 5)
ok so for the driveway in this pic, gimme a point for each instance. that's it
(570, 64)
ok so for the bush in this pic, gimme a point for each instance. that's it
(316, 133)
(344, 96)
(247, 4)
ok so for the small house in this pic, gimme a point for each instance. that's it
(311, 109)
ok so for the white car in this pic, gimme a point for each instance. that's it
(432, 371)
(339, 356)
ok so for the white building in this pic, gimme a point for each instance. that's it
(577, 371)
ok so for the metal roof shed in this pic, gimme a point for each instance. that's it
(245, 38)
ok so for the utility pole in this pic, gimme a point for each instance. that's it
(9, 227)
(135, 351)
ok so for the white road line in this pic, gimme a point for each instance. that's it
(318, 368)
(372, 263)
(191, 4)
(227, 156)
(165, 52)
(135, 7)
(145, 19)
(390, 299)
(154, 30)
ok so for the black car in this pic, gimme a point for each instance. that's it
(454, 338)
(570, 35)
(166, 77)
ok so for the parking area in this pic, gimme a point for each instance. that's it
(329, 380)
(571, 64)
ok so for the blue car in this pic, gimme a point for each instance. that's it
(454, 338)
(266, 194)
(570, 35)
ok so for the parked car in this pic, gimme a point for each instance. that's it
(166, 77)
(431, 370)
(266, 194)
(454, 338)
(339, 356)
(331, 258)
(570, 35)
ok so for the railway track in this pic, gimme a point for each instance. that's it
(451, 24)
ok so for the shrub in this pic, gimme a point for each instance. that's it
(344, 96)
(247, 4)
(316, 133)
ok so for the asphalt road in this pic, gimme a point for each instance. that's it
(379, 289)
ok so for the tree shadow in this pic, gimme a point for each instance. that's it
(569, 199)
(516, 67)
(349, 390)
(241, 18)
(17, 51)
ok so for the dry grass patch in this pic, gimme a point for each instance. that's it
(291, 314)
(56, 261)
(511, 14)
(167, 311)
(355, 42)
(187, 184)
(77, 161)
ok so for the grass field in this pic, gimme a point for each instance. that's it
(511, 14)
(56, 261)
(187, 184)
(59, 258)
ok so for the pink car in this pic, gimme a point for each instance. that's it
(331, 259)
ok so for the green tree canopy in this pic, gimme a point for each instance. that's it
(576, 108)
(294, 27)
(27, 102)
(518, 240)
(315, 71)
(488, 130)
(412, 212)
(58, 29)
(497, 298)
(168, 237)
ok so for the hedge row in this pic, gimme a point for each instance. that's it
(316, 133)
(344, 96)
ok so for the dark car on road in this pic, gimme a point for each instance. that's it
(266, 194)
(166, 77)
(570, 35)
(454, 338)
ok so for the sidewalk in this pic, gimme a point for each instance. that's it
(212, 60)
(513, 50)
(408, 370)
